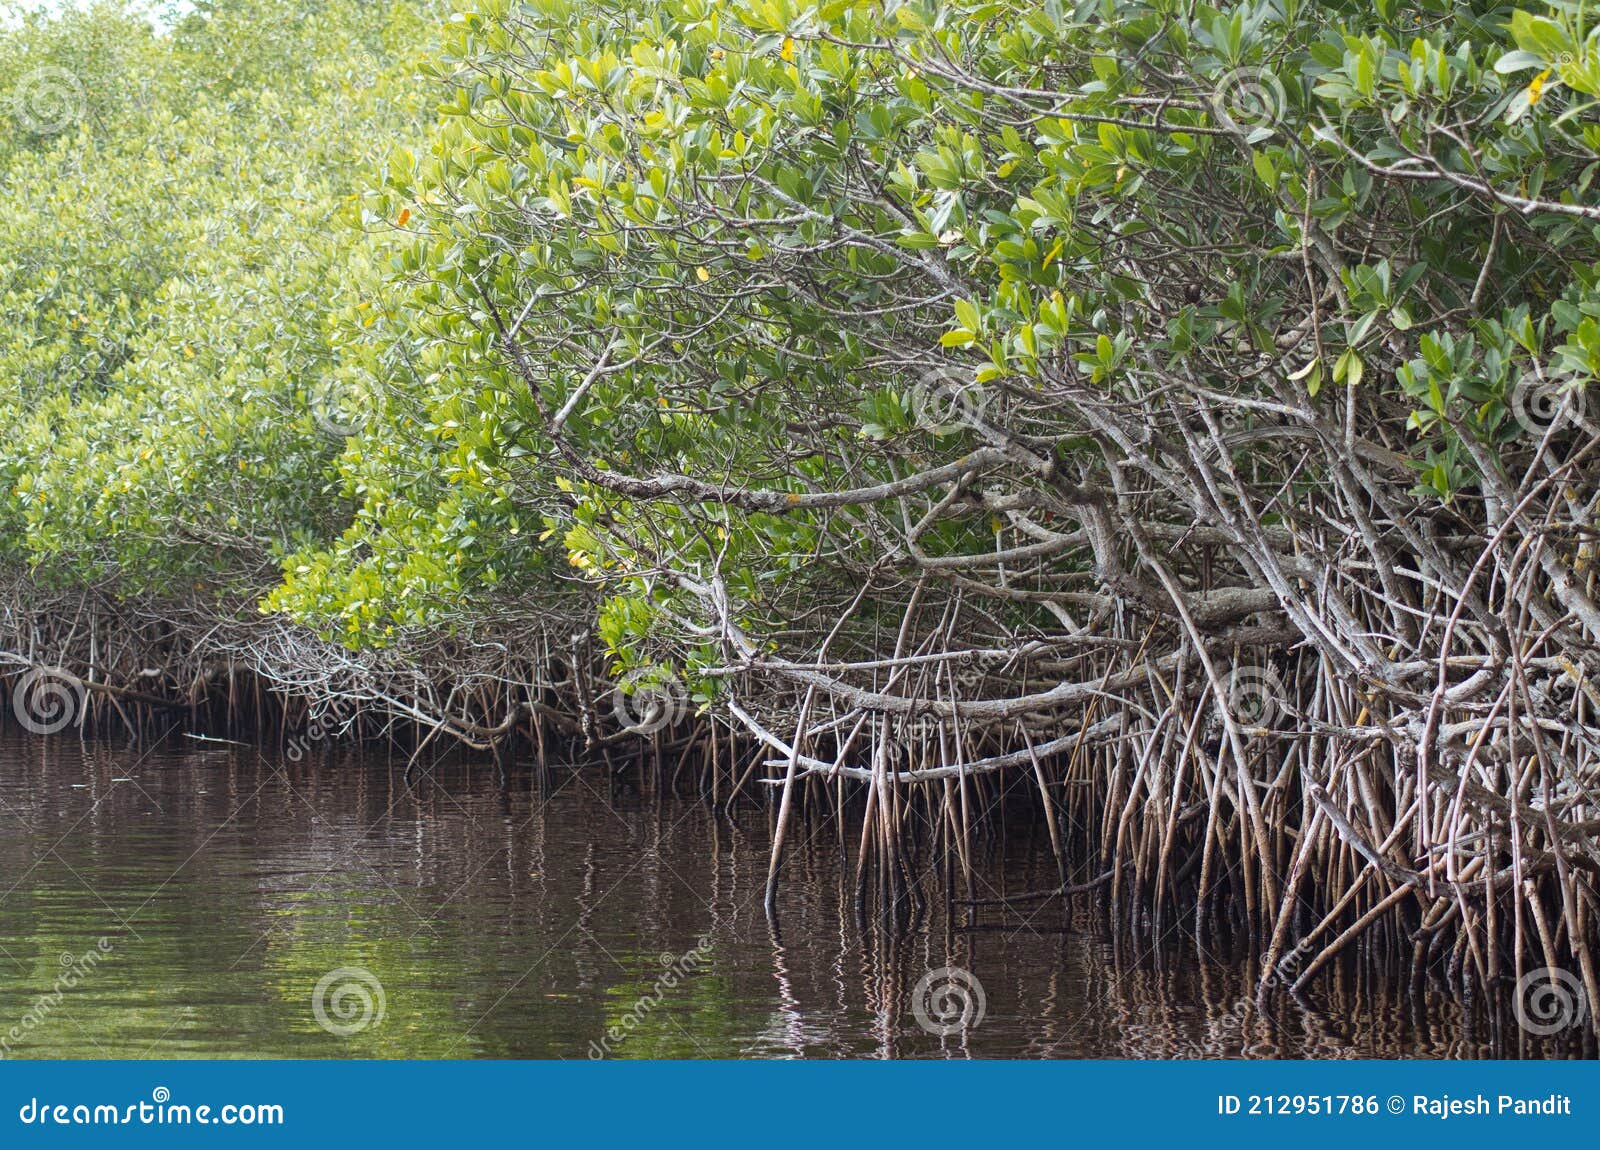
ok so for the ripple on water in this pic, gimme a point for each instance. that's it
(462, 921)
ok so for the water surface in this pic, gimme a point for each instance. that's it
(198, 894)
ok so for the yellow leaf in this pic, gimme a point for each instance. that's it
(788, 48)
(1536, 86)
(702, 274)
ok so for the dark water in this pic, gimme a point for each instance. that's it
(187, 900)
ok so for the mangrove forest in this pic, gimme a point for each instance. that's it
(1124, 468)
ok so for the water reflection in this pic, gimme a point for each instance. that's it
(546, 922)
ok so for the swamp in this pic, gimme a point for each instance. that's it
(694, 529)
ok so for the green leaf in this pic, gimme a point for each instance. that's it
(1264, 169)
(1348, 369)
(1518, 60)
(1544, 37)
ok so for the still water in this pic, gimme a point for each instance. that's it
(192, 899)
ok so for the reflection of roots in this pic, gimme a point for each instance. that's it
(948, 1001)
(1111, 743)
(1549, 1000)
(1092, 718)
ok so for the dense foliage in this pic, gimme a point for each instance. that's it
(774, 313)
(954, 383)
(175, 251)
